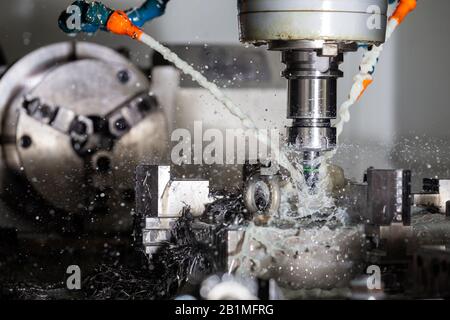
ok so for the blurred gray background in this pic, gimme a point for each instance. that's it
(402, 121)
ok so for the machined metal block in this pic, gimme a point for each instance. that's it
(436, 194)
(160, 201)
(156, 236)
(389, 196)
(444, 194)
(181, 194)
(427, 200)
(160, 223)
(157, 195)
(354, 198)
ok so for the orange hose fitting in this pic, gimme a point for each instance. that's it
(404, 8)
(366, 84)
(120, 24)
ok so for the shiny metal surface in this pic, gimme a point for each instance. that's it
(312, 90)
(313, 138)
(312, 98)
(317, 5)
(389, 196)
(436, 194)
(160, 201)
(336, 20)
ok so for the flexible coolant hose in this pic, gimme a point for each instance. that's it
(370, 59)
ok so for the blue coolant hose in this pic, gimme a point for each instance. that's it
(149, 10)
(89, 17)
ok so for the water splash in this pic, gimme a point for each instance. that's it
(297, 200)
(317, 257)
(308, 202)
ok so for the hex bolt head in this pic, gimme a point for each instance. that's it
(80, 128)
(31, 105)
(25, 141)
(123, 76)
(121, 124)
(45, 111)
